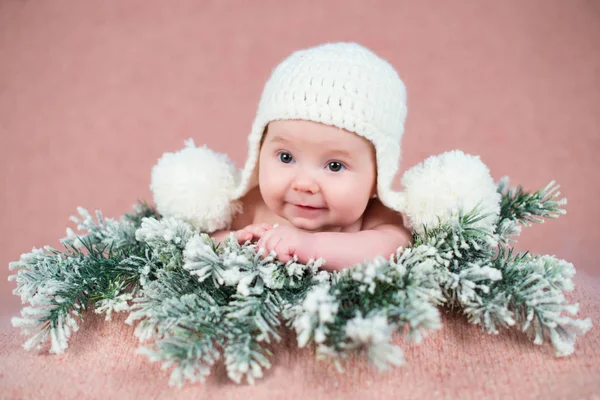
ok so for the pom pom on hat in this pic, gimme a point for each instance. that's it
(196, 185)
(443, 186)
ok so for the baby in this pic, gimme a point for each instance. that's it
(323, 152)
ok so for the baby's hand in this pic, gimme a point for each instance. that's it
(252, 232)
(286, 241)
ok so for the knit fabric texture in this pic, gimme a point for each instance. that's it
(339, 84)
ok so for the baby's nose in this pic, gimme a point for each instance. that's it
(305, 183)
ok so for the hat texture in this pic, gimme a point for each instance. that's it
(339, 84)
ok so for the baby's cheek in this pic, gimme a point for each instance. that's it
(273, 192)
(351, 204)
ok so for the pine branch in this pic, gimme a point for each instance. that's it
(461, 256)
(530, 296)
(97, 267)
(365, 304)
(246, 318)
(258, 313)
(535, 287)
(181, 324)
(519, 207)
(449, 263)
(192, 355)
(194, 301)
(108, 232)
(251, 321)
(59, 286)
(140, 211)
(166, 239)
(244, 356)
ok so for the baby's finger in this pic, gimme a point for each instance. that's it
(256, 230)
(242, 236)
(284, 256)
(260, 245)
(263, 243)
(284, 251)
(264, 238)
(271, 243)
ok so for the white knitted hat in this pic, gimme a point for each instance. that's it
(343, 85)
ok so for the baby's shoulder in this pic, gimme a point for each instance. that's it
(254, 211)
(378, 214)
(250, 203)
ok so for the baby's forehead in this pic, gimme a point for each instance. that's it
(326, 137)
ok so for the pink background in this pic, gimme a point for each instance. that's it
(92, 93)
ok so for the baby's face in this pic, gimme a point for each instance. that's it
(318, 177)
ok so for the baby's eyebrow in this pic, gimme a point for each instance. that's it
(275, 139)
(340, 153)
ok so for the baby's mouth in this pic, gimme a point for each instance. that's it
(308, 208)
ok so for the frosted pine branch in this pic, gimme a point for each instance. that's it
(539, 303)
(375, 334)
(530, 296)
(190, 355)
(60, 285)
(317, 310)
(258, 312)
(245, 357)
(107, 232)
(195, 303)
(166, 238)
(529, 208)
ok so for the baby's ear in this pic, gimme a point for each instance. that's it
(446, 186)
(196, 184)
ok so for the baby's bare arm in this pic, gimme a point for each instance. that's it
(341, 250)
(382, 232)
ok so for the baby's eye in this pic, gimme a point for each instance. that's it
(285, 158)
(335, 166)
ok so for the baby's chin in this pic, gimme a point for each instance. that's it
(312, 226)
(320, 222)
